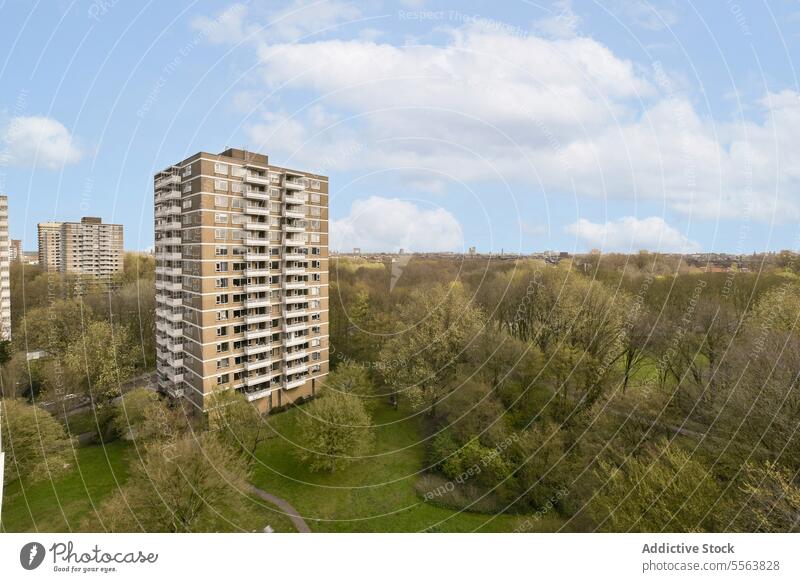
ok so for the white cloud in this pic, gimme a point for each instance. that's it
(630, 234)
(565, 114)
(390, 224)
(38, 140)
(562, 22)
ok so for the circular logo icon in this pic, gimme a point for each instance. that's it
(31, 555)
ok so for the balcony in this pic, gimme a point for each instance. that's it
(170, 240)
(253, 178)
(256, 381)
(174, 332)
(257, 349)
(293, 327)
(257, 364)
(170, 256)
(295, 341)
(167, 181)
(294, 213)
(302, 368)
(294, 313)
(175, 391)
(291, 299)
(258, 287)
(289, 356)
(255, 241)
(257, 302)
(295, 284)
(294, 270)
(254, 256)
(295, 198)
(294, 227)
(257, 210)
(168, 195)
(292, 256)
(260, 226)
(295, 184)
(257, 334)
(295, 242)
(173, 301)
(259, 272)
(257, 318)
(257, 394)
(295, 383)
(252, 194)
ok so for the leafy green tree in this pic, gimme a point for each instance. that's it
(144, 416)
(436, 332)
(104, 357)
(237, 423)
(336, 429)
(36, 444)
(663, 490)
(189, 485)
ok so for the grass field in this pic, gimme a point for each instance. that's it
(370, 495)
(67, 504)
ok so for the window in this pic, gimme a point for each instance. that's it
(222, 379)
(221, 267)
(220, 201)
(315, 368)
(316, 356)
(315, 342)
(314, 250)
(221, 185)
(314, 184)
(315, 290)
(187, 203)
(315, 264)
(221, 283)
(238, 235)
(316, 329)
(313, 304)
(221, 168)
(221, 251)
(222, 315)
(237, 203)
(223, 363)
(316, 277)
(315, 317)
(187, 187)
(222, 299)
(315, 210)
(236, 187)
(221, 218)
(237, 171)
(219, 234)
(315, 198)
(223, 347)
(187, 171)
(222, 331)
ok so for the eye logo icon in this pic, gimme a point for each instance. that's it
(31, 555)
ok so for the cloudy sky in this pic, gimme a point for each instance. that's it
(513, 125)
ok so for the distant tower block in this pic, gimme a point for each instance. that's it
(472, 251)
(356, 251)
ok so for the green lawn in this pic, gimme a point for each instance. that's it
(371, 495)
(60, 505)
(66, 504)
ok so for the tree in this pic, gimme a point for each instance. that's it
(773, 499)
(193, 484)
(144, 416)
(351, 378)
(36, 444)
(336, 429)
(663, 490)
(436, 331)
(237, 423)
(104, 357)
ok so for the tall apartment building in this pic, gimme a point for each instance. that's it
(87, 248)
(5, 272)
(241, 279)
(16, 250)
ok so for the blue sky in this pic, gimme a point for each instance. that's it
(508, 125)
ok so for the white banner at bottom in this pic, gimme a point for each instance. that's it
(401, 557)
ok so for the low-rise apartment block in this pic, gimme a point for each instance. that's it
(241, 279)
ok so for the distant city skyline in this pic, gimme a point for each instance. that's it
(562, 125)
